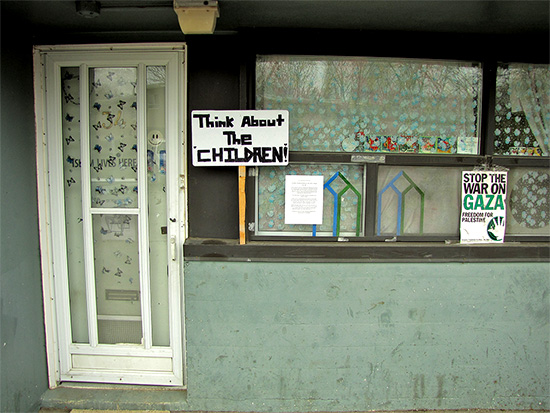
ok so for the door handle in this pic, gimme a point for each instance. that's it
(173, 247)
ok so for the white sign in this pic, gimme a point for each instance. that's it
(239, 137)
(483, 217)
(304, 199)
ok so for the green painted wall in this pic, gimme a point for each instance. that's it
(328, 337)
(22, 345)
(290, 337)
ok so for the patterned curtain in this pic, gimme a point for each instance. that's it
(531, 89)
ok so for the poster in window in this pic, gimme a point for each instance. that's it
(483, 216)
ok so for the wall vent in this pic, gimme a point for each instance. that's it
(122, 295)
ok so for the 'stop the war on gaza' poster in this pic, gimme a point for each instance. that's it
(483, 216)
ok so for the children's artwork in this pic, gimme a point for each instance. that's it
(467, 145)
(522, 150)
(446, 144)
(390, 144)
(361, 137)
(374, 144)
(407, 144)
(428, 144)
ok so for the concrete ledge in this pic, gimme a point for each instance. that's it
(101, 397)
(45, 410)
(202, 249)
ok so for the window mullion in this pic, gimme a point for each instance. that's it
(86, 206)
(370, 192)
(488, 98)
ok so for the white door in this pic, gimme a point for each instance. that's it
(112, 211)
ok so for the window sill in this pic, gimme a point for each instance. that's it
(202, 249)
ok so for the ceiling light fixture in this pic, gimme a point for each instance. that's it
(87, 8)
(197, 16)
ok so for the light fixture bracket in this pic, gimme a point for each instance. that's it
(197, 16)
(88, 8)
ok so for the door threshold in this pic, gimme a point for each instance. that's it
(79, 397)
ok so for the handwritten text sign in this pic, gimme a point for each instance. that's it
(243, 137)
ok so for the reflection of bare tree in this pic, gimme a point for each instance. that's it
(156, 75)
(341, 80)
(291, 79)
(378, 96)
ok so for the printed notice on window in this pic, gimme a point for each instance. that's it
(304, 199)
(483, 216)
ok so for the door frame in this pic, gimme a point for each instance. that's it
(55, 333)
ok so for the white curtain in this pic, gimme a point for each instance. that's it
(530, 93)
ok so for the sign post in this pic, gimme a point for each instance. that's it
(240, 138)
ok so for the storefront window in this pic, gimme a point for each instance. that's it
(400, 132)
(374, 105)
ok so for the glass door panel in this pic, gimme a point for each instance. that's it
(116, 262)
(157, 207)
(114, 151)
(70, 106)
(113, 137)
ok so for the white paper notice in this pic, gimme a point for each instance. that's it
(304, 199)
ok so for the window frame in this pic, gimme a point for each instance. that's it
(486, 128)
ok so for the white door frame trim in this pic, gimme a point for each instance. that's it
(177, 229)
